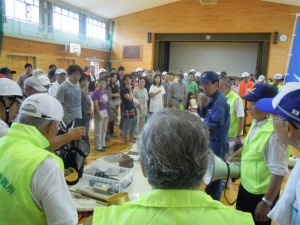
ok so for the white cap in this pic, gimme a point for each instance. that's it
(164, 73)
(193, 70)
(35, 83)
(277, 76)
(46, 106)
(219, 73)
(102, 70)
(139, 70)
(261, 78)
(185, 75)
(197, 74)
(44, 79)
(59, 71)
(37, 72)
(245, 74)
(9, 87)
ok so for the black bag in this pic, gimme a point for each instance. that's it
(74, 153)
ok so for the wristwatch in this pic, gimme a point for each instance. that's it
(268, 203)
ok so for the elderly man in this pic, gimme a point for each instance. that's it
(216, 114)
(34, 85)
(285, 111)
(174, 164)
(178, 93)
(10, 91)
(237, 115)
(263, 162)
(33, 188)
(61, 75)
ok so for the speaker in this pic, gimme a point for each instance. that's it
(149, 37)
(218, 168)
(275, 38)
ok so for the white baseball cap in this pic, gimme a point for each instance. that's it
(44, 79)
(37, 72)
(59, 71)
(277, 76)
(45, 106)
(245, 74)
(35, 83)
(102, 70)
(164, 73)
(193, 70)
(261, 78)
(197, 74)
(139, 70)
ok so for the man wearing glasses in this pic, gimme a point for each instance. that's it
(285, 110)
(263, 162)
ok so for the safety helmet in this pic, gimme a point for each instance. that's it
(9, 88)
(139, 70)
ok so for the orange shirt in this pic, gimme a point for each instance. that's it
(244, 87)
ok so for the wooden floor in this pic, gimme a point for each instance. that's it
(116, 145)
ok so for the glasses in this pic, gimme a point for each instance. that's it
(284, 120)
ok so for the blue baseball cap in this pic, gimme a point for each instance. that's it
(285, 104)
(209, 76)
(259, 91)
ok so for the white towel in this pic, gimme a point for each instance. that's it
(282, 212)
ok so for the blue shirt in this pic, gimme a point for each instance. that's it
(216, 114)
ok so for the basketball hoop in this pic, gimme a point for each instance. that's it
(78, 53)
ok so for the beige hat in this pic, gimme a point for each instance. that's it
(261, 78)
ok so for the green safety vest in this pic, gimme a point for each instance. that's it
(234, 120)
(255, 174)
(22, 151)
(176, 207)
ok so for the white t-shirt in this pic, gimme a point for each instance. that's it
(239, 108)
(51, 194)
(156, 103)
(3, 128)
(53, 89)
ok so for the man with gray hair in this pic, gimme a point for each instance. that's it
(33, 188)
(174, 158)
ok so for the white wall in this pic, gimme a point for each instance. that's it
(234, 58)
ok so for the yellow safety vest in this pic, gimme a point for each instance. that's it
(22, 151)
(234, 120)
(255, 174)
(176, 207)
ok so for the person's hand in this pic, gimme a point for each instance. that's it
(91, 115)
(202, 100)
(261, 212)
(77, 133)
(98, 116)
(238, 141)
(158, 91)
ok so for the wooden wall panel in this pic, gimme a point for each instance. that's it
(16, 52)
(189, 16)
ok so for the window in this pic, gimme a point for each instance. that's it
(23, 9)
(65, 20)
(96, 65)
(95, 29)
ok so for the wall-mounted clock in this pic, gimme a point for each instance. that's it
(283, 37)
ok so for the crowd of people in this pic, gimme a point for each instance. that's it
(146, 103)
